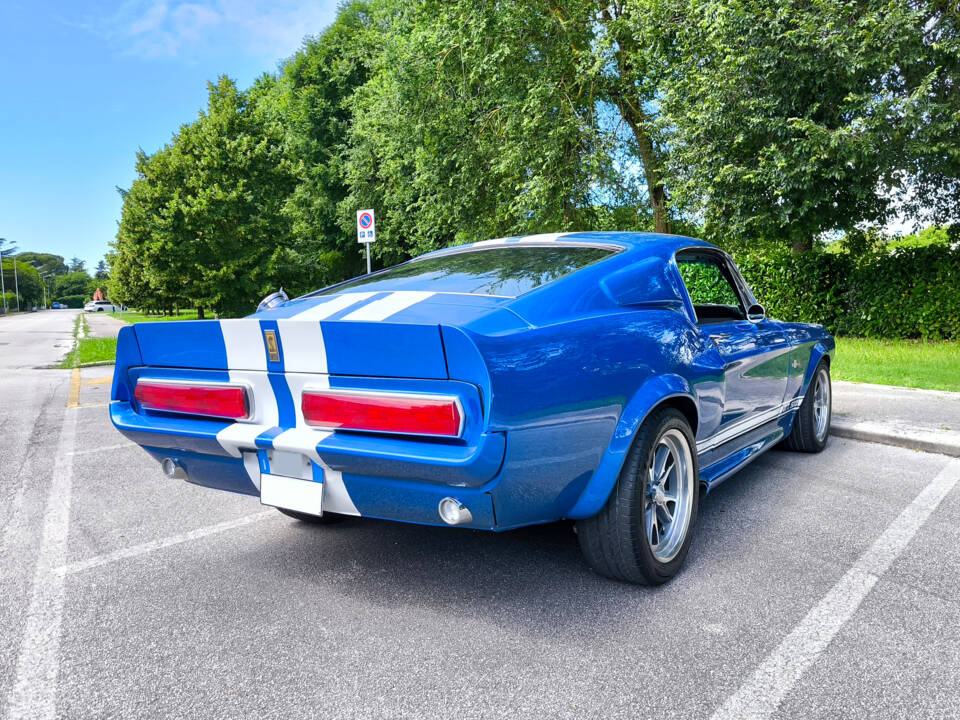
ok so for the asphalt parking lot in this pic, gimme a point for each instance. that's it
(818, 586)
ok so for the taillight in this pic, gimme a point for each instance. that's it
(397, 413)
(188, 398)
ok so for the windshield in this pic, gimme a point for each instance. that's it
(502, 270)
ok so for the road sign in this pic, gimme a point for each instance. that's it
(366, 231)
(366, 226)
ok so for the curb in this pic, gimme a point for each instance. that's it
(926, 440)
(98, 363)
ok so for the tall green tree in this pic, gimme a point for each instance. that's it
(73, 283)
(205, 213)
(46, 263)
(479, 119)
(786, 119)
(311, 103)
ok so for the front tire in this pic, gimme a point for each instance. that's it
(643, 533)
(811, 426)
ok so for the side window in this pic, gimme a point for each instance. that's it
(711, 288)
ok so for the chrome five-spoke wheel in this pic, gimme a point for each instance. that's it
(669, 495)
(821, 404)
(643, 532)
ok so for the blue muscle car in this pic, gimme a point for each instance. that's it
(603, 377)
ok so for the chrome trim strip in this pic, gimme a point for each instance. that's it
(747, 424)
(313, 390)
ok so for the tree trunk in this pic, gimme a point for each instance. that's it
(802, 244)
(658, 195)
(200, 312)
(633, 113)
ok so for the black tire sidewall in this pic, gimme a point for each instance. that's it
(654, 570)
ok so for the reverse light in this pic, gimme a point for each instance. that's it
(216, 400)
(387, 412)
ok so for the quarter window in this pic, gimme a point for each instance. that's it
(711, 288)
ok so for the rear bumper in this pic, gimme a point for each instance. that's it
(376, 477)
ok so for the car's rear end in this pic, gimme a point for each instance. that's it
(371, 399)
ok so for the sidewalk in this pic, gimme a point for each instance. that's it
(101, 324)
(919, 419)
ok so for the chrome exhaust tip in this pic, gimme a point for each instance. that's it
(172, 469)
(454, 512)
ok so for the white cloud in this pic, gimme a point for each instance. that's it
(185, 28)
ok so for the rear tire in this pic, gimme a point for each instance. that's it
(328, 518)
(811, 426)
(643, 533)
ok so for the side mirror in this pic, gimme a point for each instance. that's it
(272, 300)
(756, 313)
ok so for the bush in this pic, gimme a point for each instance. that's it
(908, 292)
(72, 301)
(11, 299)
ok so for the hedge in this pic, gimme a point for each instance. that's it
(11, 299)
(72, 301)
(910, 292)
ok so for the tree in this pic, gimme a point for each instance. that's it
(73, 283)
(789, 119)
(479, 120)
(311, 103)
(46, 263)
(77, 265)
(204, 217)
(102, 272)
(26, 278)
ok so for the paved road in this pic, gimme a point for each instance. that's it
(30, 340)
(818, 586)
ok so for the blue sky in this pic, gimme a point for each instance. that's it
(84, 84)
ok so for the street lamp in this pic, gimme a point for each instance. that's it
(16, 282)
(3, 287)
(43, 282)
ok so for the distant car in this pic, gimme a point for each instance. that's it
(601, 377)
(100, 306)
(56, 306)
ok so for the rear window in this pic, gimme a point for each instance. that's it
(502, 270)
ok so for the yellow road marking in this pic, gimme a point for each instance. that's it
(99, 381)
(74, 398)
(90, 405)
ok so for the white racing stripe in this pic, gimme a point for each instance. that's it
(305, 439)
(760, 696)
(390, 305)
(302, 336)
(336, 303)
(244, 344)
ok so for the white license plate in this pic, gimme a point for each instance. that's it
(304, 496)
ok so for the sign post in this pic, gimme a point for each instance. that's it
(366, 231)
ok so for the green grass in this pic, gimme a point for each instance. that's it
(910, 363)
(89, 349)
(131, 316)
(71, 360)
(96, 350)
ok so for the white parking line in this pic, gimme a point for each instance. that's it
(34, 692)
(760, 696)
(105, 448)
(148, 547)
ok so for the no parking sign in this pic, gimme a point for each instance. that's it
(366, 226)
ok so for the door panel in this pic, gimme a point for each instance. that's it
(755, 356)
(756, 366)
